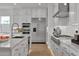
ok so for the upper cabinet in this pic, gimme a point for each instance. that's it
(39, 12)
(22, 15)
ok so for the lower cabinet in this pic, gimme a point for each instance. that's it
(62, 49)
(21, 49)
(58, 50)
(15, 51)
(65, 53)
(55, 48)
(73, 52)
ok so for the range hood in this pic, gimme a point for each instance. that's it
(63, 11)
(61, 14)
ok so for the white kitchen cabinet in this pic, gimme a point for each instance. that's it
(52, 45)
(21, 16)
(14, 47)
(35, 13)
(23, 48)
(15, 51)
(65, 52)
(59, 50)
(55, 48)
(39, 12)
(22, 51)
(43, 13)
(66, 49)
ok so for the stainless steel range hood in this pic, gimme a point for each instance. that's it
(63, 11)
(62, 14)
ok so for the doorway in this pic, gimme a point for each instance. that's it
(39, 30)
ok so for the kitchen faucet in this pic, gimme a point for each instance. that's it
(12, 28)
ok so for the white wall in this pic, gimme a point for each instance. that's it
(73, 13)
(52, 9)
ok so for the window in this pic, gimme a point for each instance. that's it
(5, 19)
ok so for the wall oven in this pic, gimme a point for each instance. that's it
(26, 28)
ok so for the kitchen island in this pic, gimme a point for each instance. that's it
(63, 46)
(14, 47)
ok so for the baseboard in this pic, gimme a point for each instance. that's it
(47, 43)
(29, 52)
(38, 42)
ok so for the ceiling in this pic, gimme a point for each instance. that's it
(24, 5)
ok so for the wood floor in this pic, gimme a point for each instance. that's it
(40, 50)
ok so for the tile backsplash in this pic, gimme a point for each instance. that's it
(68, 30)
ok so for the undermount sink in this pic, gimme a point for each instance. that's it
(18, 37)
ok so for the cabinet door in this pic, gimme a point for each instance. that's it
(22, 49)
(15, 51)
(43, 13)
(55, 49)
(39, 12)
(34, 12)
(73, 52)
(53, 46)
